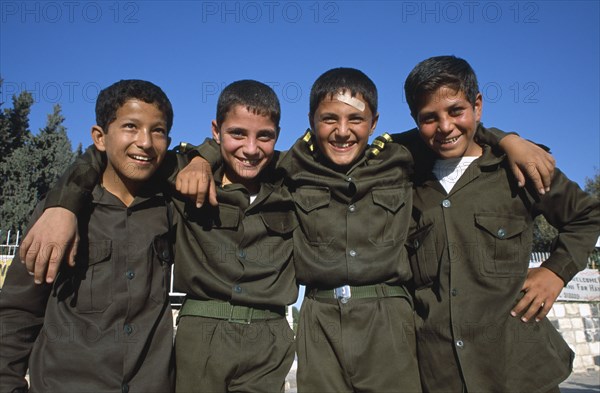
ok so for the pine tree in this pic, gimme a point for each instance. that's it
(14, 124)
(592, 185)
(30, 170)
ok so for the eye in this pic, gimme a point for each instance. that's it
(266, 136)
(236, 133)
(427, 119)
(129, 125)
(356, 120)
(328, 119)
(456, 111)
(160, 130)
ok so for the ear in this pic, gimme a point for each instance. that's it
(215, 132)
(311, 121)
(98, 137)
(374, 125)
(478, 107)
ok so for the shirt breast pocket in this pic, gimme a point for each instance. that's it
(95, 281)
(423, 256)
(279, 245)
(503, 244)
(388, 225)
(312, 203)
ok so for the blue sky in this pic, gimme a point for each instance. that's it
(538, 62)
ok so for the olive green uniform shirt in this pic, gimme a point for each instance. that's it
(469, 252)
(353, 224)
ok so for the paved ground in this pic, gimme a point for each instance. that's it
(582, 383)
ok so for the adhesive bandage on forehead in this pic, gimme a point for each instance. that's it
(347, 98)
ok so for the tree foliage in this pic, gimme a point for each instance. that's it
(29, 164)
(592, 185)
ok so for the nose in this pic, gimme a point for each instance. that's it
(343, 129)
(251, 147)
(144, 139)
(445, 125)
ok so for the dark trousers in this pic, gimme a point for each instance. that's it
(365, 345)
(213, 355)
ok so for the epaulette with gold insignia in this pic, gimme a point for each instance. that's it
(378, 145)
(309, 140)
(185, 147)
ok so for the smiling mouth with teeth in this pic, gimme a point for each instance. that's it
(342, 145)
(141, 158)
(448, 141)
(249, 162)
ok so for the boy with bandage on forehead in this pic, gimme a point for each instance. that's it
(353, 201)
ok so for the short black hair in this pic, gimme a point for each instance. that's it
(114, 96)
(338, 80)
(257, 97)
(435, 72)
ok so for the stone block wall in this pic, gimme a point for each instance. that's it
(579, 324)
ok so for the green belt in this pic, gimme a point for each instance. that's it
(359, 292)
(223, 310)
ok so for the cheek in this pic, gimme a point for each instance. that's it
(426, 132)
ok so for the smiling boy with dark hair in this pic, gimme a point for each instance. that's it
(475, 297)
(106, 324)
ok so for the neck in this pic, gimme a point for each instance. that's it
(116, 185)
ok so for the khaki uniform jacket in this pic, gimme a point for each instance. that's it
(105, 325)
(469, 253)
(353, 225)
(238, 252)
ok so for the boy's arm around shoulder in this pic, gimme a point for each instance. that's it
(22, 308)
(54, 234)
(576, 215)
(195, 177)
(528, 161)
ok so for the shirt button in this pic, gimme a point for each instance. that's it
(349, 179)
(242, 253)
(501, 233)
(352, 208)
(352, 253)
(166, 255)
(460, 343)
(237, 289)
(446, 203)
(130, 275)
(125, 388)
(128, 329)
(454, 292)
(416, 243)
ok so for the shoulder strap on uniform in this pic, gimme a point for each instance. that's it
(308, 138)
(378, 145)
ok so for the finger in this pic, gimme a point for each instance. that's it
(31, 255)
(521, 305)
(41, 264)
(533, 310)
(53, 264)
(518, 175)
(534, 175)
(24, 248)
(178, 182)
(544, 311)
(545, 176)
(212, 193)
(73, 251)
(200, 196)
